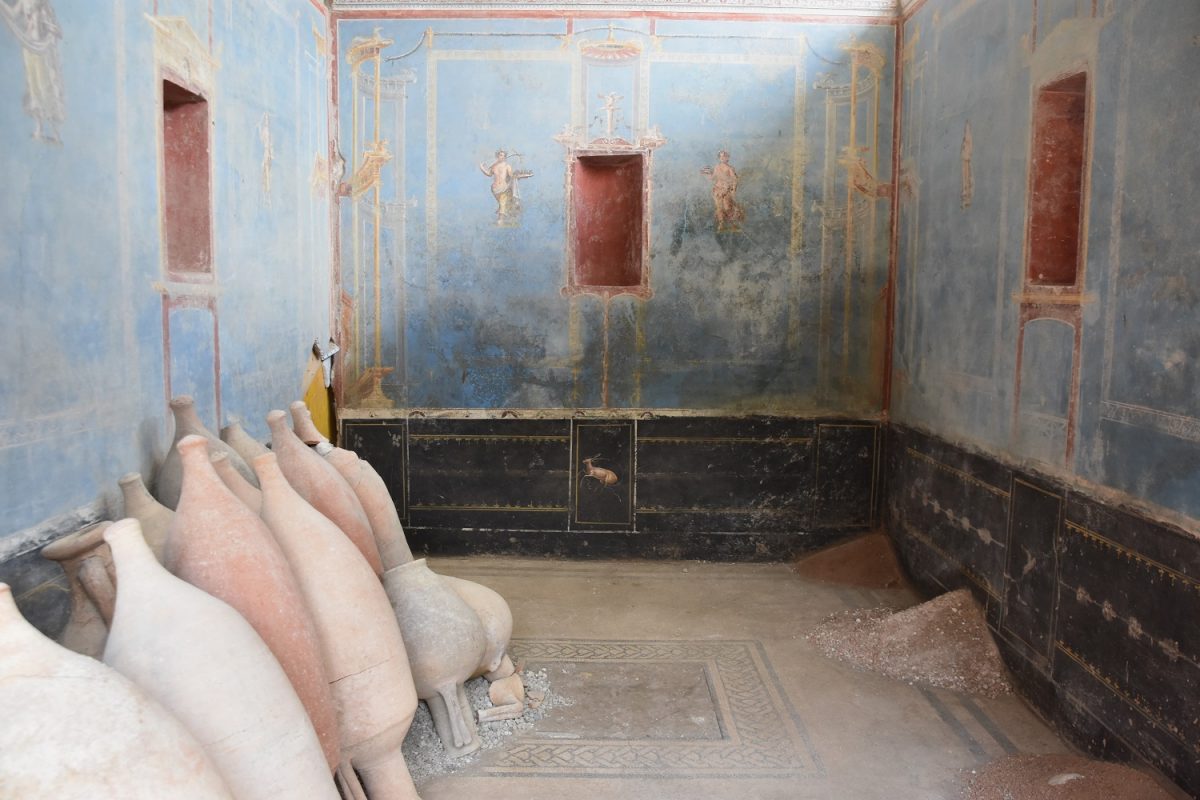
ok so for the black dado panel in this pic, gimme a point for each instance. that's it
(1095, 606)
(847, 470)
(489, 473)
(384, 445)
(963, 543)
(704, 474)
(1031, 575)
(772, 486)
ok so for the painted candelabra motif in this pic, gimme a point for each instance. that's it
(506, 181)
(728, 212)
(36, 28)
(849, 210)
(365, 188)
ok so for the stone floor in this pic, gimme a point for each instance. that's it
(693, 680)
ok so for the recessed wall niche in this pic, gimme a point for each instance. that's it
(608, 220)
(1056, 181)
(607, 223)
(187, 212)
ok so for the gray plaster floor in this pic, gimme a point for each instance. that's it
(693, 680)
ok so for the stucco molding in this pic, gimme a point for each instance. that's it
(37, 536)
(178, 50)
(869, 8)
(401, 413)
(1177, 425)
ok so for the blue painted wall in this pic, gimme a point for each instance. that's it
(83, 396)
(1135, 429)
(472, 314)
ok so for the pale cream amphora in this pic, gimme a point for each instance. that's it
(361, 643)
(75, 729)
(203, 661)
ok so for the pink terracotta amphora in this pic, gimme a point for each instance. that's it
(322, 487)
(368, 487)
(376, 500)
(243, 443)
(250, 495)
(219, 545)
(75, 729)
(170, 474)
(360, 641)
(303, 425)
(200, 659)
(87, 562)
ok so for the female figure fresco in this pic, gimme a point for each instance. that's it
(36, 28)
(729, 214)
(504, 189)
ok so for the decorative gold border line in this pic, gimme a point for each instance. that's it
(1057, 496)
(577, 479)
(741, 511)
(1163, 569)
(996, 490)
(1114, 687)
(485, 437)
(724, 440)
(963, 568)
(556, 509)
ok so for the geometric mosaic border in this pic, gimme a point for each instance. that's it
(762, 736)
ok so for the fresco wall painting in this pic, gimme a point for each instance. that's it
(119, 294)
(35, 26)
(1043, 441)
(1074, 346)
(186, 77)
(848, 245)
(638, 274)
(372, 98)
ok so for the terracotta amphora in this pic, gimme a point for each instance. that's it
(445, 643)
(322, 487)
(154, 517)
(507, 691)
(250, 495)
(75, 729)
(219, 545)
(87, 562)
(201, 659)
(496, 618)
(376, 500)
(170, 474)
(360, 641)
(303, 425)
(368, 487)
(243, 443)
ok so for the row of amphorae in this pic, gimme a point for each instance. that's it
(261, 630)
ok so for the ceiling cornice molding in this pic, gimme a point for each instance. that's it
(887, 9)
